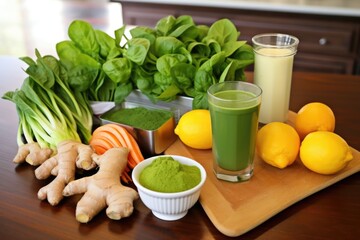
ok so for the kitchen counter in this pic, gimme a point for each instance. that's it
(349, 8)
(332, 213)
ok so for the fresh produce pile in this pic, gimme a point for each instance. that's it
(312, 138)
(177, 57)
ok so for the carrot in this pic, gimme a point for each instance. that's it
(100, 143)
(127, 140)
(112, 135)
(130, 142)
(99, 149)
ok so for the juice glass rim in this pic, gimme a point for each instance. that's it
(288, 44)
(246, 86)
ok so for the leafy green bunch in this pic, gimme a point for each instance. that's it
(95, 62)
(49, 110)
(178, 57)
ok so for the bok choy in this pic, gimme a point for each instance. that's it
(49, 111)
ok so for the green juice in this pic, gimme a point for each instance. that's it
(234, 129)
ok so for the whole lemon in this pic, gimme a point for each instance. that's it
(278, 144)
(314, 116)
(325, 152)
(194, 129)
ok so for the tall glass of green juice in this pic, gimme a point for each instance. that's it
(234, 109)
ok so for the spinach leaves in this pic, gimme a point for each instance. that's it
(176, 57)
(182, 58)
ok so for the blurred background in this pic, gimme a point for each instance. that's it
(29, 24)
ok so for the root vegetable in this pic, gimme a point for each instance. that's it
(104, 188)
(32, 153)
(63, 165)
(113, 135)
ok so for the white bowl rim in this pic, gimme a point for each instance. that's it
(146, 162)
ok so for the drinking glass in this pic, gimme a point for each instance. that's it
(273, 66)
(234, 110)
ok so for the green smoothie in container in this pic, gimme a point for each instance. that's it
(234, 118)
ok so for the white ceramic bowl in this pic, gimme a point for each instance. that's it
(169, 206)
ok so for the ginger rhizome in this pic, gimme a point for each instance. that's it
(104, 188)
(70, 154)
(32, 153)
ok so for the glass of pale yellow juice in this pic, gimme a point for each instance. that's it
(273, 66)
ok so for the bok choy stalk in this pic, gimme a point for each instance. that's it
(49, 111)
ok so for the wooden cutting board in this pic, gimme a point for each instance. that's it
(246, 205)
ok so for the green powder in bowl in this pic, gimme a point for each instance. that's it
(139, 117)
(167, 175)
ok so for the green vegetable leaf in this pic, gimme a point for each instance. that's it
(83, 35)
(167, 45)
(137, 50)
(183, 75)
(223, 31)
(203, 80)
(118, 70)
(230, 47)
(166, 62)
(122, 91)
(82, 69)
(106, 43)
(119, 34)
(215, 60)
(169, 93)
(200, 101)
(165, 25)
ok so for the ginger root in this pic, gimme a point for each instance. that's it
(104, 188)
(33, 154)
(63, 165)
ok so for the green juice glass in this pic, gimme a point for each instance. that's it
(234, 109)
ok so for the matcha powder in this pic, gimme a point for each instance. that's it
(139, 117)
(165, 174)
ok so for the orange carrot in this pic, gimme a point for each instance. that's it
(108, 130)
(110, 137)
(101, 143)
(99, 149)
(113, 135)
(130, 142)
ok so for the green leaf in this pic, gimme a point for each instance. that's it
(223, 31)
(122, 91)
(138, 49)
(224, 74)
(183, 75)
(165, 25)
(200, 101)
(230, 47)
(83, 35)
(82, 69)
(203, 80)
(106, 43)
(118, 70)
(119, 34)
(166, 62)
(215, 60)
(167, 45)
(169, 93)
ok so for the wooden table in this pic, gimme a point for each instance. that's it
(333, 213)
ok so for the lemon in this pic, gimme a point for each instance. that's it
(278, 144)
(325, 152)
(314, 116)
(194, 129)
